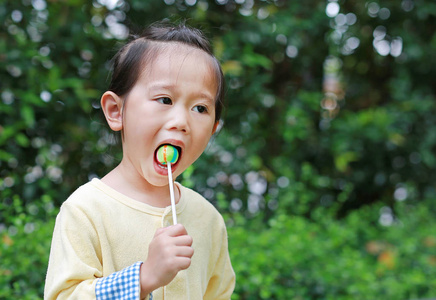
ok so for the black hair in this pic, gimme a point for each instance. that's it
(130, 60)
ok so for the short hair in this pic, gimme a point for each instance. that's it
(129, 62)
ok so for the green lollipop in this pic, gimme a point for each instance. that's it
(167, 153)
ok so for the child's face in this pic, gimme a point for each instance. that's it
(173, 102)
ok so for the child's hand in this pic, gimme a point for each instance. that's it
(169, 252)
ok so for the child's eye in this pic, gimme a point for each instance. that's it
(165, 100)
(201, 109)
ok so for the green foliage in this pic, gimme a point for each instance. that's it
(329, 117)
(291, 258)
(24, 246)
(353, 258)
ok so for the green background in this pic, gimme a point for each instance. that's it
(324, 169)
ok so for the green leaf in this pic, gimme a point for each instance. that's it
(344, 159)
(22, 140)
(28, 115)
(5, 156)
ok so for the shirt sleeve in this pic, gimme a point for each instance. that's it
(75, 257)
(75, 268)
(222, 281)
(122, 285)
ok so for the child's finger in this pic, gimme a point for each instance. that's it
(159, 231)
(187, 252)
(183, 263)
(175, 230)
(178, 229)
(183, 240)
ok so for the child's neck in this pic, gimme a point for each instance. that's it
(129, 184)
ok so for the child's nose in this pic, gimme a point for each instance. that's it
(178, 119)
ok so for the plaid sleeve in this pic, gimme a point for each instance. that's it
(122, 285)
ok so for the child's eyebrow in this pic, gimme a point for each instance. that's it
(172, 88)
(205, 96)
(158, 87)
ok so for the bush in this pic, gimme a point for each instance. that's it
(352, 258)
(314, 130)
(25, 247)
(291, 258)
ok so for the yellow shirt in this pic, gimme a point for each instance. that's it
(100, 231)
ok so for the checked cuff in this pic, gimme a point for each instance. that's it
(122, 285)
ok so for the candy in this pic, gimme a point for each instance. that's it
(167, 153)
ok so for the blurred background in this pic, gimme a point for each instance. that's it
(324, 168)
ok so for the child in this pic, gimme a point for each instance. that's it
(112, 238)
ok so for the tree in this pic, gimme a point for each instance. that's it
(330, 105)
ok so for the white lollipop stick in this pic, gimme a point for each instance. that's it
(171, 184)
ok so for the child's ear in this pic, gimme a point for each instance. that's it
(112, 106)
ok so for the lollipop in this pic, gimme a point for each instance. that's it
(167, 155)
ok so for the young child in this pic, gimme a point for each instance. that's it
(114, 237)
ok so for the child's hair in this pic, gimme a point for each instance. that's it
(132, 58)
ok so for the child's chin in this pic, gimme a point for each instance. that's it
(158, 181)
